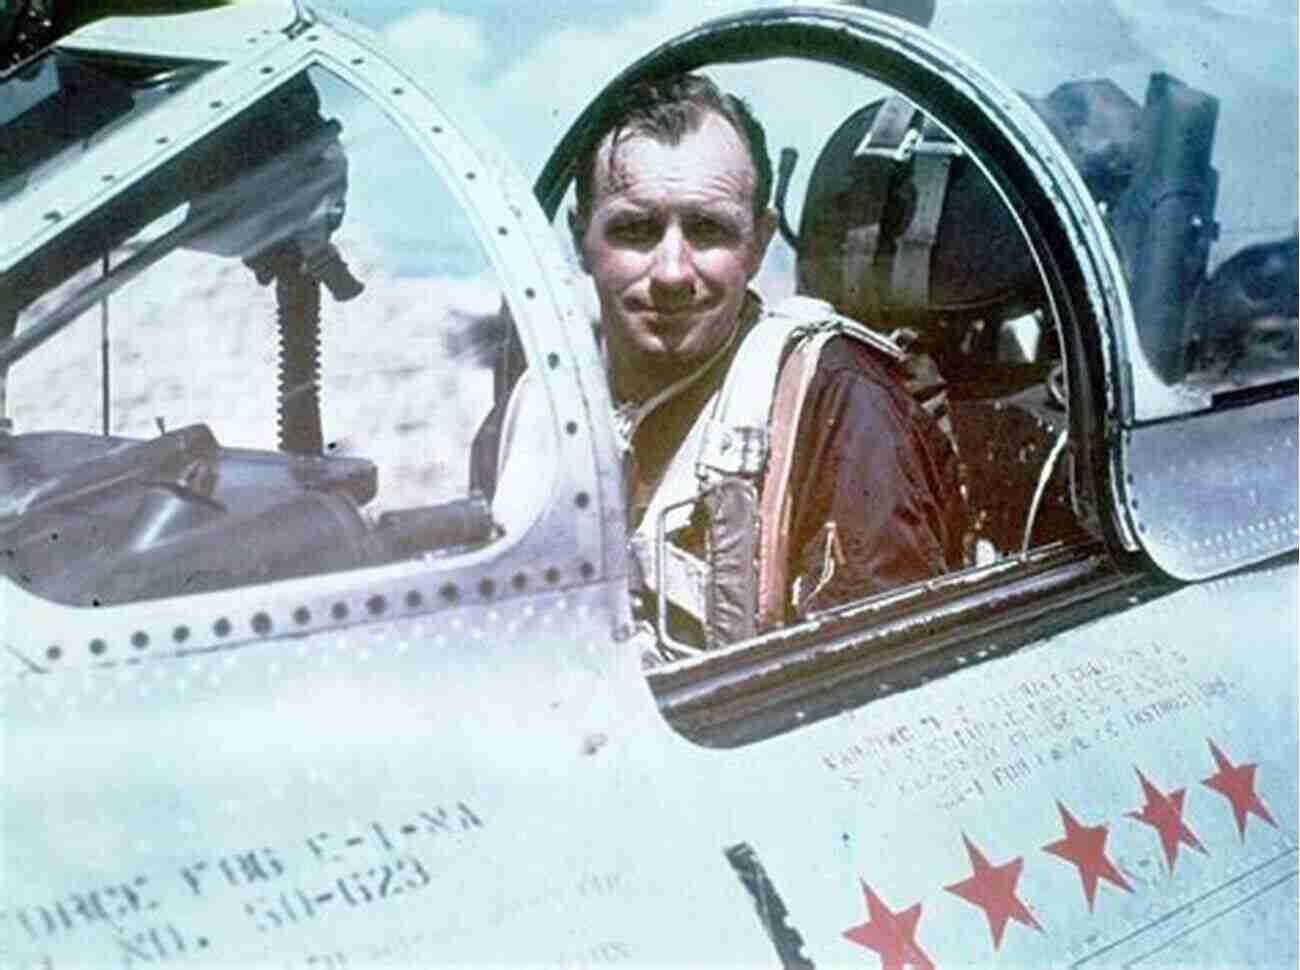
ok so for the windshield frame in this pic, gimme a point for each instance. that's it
(572, 541)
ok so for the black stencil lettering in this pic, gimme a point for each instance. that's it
(27, 924)
(272, 862)
(63, 918)
(356, 889)
(468, 819)
(329, 961)
(88, 907)
(191, 876)
(308, 906)
(603, 884)
(386, 881)
(135, 950)
(252, 869)
(346, 886)
(437, 820)
(264, 917)
(152, 945)
(122, 900)
(363, 889)
(174, 939)
(228, 871)
(317, 844)
(612, 952)
(290, 911)
(422, 877)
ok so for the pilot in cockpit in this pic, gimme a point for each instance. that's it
(775, 449)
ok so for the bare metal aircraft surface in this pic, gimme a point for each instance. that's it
(321, 652)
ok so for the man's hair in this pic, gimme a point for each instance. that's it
(666, 109)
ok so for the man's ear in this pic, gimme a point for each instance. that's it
(578, 231)
(764, 230)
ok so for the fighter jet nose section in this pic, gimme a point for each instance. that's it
(337, 629)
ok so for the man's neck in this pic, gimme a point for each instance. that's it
(630, 384)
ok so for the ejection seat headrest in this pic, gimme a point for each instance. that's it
(899, 223)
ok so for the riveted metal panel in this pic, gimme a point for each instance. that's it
(416, 792)
(1215, 492)
(926, 799)
(424, 790)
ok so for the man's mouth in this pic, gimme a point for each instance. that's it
(672, 317)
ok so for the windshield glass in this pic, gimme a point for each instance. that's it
(1182, 120)
(266, 358)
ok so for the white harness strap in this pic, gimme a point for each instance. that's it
(730, 438)
(679, 574)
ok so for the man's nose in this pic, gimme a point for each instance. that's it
(672, 277)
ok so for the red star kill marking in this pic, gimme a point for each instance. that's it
(1236, 783)
(892, 935)
(993, 889)
(1085, 847)
(1164, 813)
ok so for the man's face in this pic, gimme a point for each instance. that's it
(671, 243)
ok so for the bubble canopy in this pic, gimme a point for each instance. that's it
(1163, 236)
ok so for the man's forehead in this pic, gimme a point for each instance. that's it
(711, 147)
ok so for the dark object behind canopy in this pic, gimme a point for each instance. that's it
(899, 224)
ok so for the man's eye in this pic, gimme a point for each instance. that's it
(710, 232)
(634, 232)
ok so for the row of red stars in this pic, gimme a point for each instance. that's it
(892, 935)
